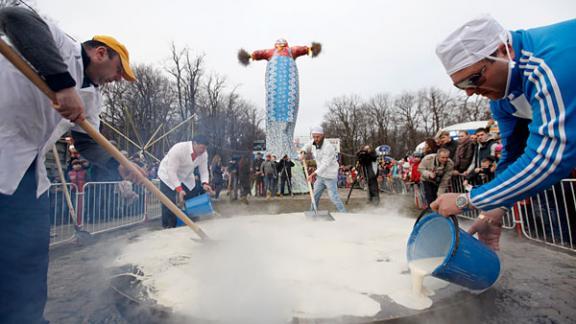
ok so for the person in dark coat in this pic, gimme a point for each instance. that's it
(369, 168)
(285, 171)
(244, 175)
(446, 141)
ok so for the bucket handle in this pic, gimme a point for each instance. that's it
(428, 211)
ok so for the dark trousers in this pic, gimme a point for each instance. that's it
(283, 181)
(244, 187)
(218, 185)
(373, 191)
(24, 241)
(430, 191)
(168, 218)
(260, 188)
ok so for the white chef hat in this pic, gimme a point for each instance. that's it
(317, 130)
(472, 42)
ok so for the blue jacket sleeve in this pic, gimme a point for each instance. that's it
(513, 132)
(551, 146)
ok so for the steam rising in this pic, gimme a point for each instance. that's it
(271, 268)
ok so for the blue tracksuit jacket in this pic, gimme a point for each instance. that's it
(543, 85)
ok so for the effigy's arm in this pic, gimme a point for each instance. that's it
(262, 54)
(313, 50)
(298, 51)
(244, 57)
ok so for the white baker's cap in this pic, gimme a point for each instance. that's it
(469, 44)
(317, 130)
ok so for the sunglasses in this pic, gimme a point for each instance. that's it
(472, 81)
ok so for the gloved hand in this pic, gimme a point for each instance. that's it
(489, 228)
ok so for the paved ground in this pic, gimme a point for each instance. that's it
(537, 285)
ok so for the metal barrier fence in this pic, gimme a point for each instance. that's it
(153, 209)
(548, 217)
(61, 225)
(100, 207)
(111, 205)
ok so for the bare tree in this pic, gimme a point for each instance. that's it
(187, 72)
(380, 110)
(407, 108)
(138, 109)
(8, 3)
(473, 108)
(436, 108)
(344, 120)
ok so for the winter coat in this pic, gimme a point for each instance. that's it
(464, 155)
(451, 146)
(285, 168)
(482, 151)
(269, 168)
(442, 173)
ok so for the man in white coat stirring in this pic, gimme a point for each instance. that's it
(176, 173)
(327, 168)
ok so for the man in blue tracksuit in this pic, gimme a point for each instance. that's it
(529, 75)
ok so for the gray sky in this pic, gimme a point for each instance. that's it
(368, 46)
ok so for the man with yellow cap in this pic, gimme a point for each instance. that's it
(529, 75)
(29, 125)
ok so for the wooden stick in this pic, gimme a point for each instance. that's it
(64, 187)
(21, 65)
(310, 187)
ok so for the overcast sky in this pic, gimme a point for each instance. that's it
(368, 46)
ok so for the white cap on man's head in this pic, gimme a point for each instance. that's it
(472, 42)
(317, 130)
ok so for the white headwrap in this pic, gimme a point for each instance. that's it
(471, 43)
(317, 130)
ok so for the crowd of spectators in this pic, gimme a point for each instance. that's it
(443, 164)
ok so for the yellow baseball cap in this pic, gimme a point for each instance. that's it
(119, 48)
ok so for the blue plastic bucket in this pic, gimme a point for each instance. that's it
(467, 261)
(197, 207)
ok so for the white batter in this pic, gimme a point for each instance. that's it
(270, 268)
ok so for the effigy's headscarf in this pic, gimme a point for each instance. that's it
(281, 42)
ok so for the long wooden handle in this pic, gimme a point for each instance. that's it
(21, 65)
(309, 186)
(64, 187)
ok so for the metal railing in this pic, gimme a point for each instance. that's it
(108, 206)
(100, 207)
(61, 224)
(548, 217)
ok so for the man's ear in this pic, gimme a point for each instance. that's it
(100, 53)
(502, 50)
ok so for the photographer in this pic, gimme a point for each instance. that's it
(483, 174)
(285, 170)
(436, 171)
(369, 169)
